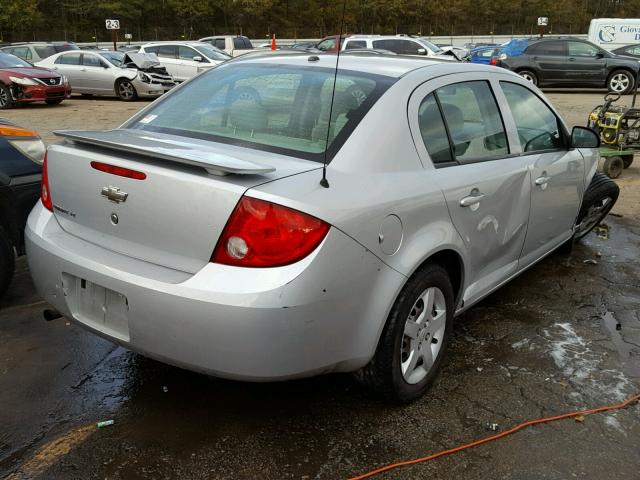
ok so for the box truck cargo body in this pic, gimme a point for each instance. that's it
(612, 33)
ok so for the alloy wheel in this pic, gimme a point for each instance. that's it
(619, 83)
(4, 98)
(126, 90)
(528, 77)
(423, 335)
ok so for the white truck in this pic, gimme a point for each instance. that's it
(234, 45)
(611, 33)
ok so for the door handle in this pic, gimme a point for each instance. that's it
(542, 180)
(472, 199)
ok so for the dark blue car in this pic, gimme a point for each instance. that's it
(484, 54)
(21, 155)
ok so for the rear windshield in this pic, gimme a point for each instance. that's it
(274, 108)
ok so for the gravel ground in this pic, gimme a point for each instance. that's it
(564, 335)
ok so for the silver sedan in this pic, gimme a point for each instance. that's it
(111, 73)
(206, 231)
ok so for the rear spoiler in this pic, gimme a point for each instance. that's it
(167, 147)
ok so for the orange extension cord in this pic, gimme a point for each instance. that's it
(515, 429)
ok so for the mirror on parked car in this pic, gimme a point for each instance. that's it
(197, 58)
(583, 137)
(422, 51)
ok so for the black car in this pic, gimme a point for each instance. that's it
(569, 63)
(21, 155)
(628, 51)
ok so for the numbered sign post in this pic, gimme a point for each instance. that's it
(114, 26)
(542, 23)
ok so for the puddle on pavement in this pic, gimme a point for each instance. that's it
(623, 348)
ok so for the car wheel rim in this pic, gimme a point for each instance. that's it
(126, 90)
(594, 215)
(423, 335)
(4, 98)
(528, 77)
(619, 83)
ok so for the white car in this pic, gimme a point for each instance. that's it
(184, 60)
(97, 72)
(399, 44)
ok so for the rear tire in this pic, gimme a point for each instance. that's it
(7, 261)
(6, 99)
(529, 76)
(613, 166)
(620, 81)
(599, 199)
(418, 320)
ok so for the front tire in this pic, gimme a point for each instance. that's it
(529, 76)
(6, 99)
(620, 81)
(7, 261)
(599, 198)
(414, 339)
(125, 90)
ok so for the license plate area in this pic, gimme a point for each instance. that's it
(98, 307)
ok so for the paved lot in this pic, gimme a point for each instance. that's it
(545, 344)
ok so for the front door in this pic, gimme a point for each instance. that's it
(586, 64)
(487, 190)
(557, 173)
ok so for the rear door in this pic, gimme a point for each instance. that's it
(557, 173)
(70, 65)
(549, 59)
(486, 188)
(586, 64)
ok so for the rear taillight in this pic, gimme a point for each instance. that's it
(265, 234)
(45, 192)
(493, 61)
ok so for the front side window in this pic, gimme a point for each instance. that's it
(91, 61)
(186, 53)
(580, 49)
(473, 121)
(538, 127)
(69, 59)
(278, 109)
(212, 53)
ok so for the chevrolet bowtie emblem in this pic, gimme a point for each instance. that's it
(114, 194)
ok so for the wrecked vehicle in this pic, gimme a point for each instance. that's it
(125, 75)
(21, 82)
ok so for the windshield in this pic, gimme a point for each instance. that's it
(11, 61)
(212, 52)
(275, 108)
(115, 58)
(432, 46)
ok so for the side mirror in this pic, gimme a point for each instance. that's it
(582, 137)
(197, 58)
(422, 51)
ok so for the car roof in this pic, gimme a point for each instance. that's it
(388, 65)
(178, 42)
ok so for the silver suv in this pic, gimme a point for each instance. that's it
(35, 52)
(205, 231)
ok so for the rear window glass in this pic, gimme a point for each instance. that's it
(548, 48)
(69, 59)
(269, 107)
(355, 44)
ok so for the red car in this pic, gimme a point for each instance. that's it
(21, 82)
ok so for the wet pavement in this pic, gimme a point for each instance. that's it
(563, 336)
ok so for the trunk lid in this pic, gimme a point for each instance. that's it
(175, 215)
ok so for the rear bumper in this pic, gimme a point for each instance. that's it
(322, 314)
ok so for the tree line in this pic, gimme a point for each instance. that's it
(83, 20)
